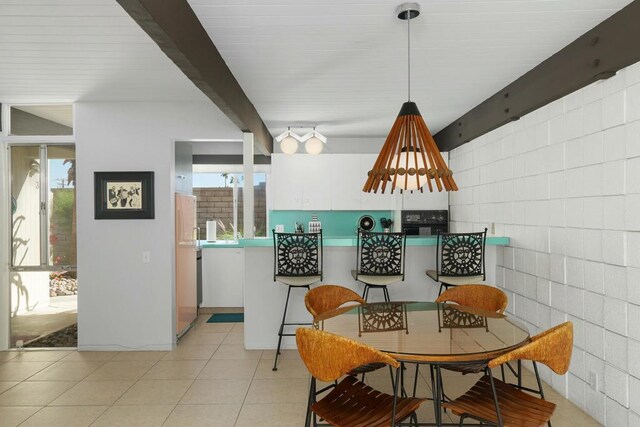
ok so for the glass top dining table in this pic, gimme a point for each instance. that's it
(427, 332)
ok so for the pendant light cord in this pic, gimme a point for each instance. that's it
(409, 57)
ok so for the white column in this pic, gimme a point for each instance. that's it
(247, 193)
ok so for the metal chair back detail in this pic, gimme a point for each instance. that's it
(380, 260)
(460, 259)
(297, 254)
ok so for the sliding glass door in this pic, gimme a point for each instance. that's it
(43, 240)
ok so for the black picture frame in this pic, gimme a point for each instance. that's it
(124, 195)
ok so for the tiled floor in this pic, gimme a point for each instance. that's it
(209, 380)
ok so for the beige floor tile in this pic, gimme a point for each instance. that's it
(234, 338)
(229, 369)
(215, 327)
(194, 352)
(125, 356)
(287, 368)
(34, 393)
(93, 393)
(6, 385)
(12, 416)
(235, 351)
(197, 338)
(203, 415)
(155, 392)
(7, 355)
(40, 356)
(19, 371)
(112, 371)
(284, 354)
(66, 371)
(293, 390)
(175, 370)
(204, 392)
(281, 415)
(89, 356)
(238, 327)
(134, 415)
(67, 416)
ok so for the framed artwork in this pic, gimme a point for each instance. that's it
(123, 195)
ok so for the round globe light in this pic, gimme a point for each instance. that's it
(313, 145)
(289, 145)
(408, 164)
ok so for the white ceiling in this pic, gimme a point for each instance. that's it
(342, 64)
(339, 64)
(69, 50)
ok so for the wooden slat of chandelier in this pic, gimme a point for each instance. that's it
(409, 158)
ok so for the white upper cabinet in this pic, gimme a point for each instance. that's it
(316, 181)
(425, 201)
(324, 182)
(287, 176)
(346, 183)
(373, 201)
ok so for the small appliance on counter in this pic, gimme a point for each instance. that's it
(425, 223)
(366, 223)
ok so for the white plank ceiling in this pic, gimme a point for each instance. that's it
(343, 64)
(339, 64)
(69, 50)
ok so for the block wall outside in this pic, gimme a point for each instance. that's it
(564, 183)
(217, 203)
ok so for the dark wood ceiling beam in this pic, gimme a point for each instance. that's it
(598, 54)
(175, 28)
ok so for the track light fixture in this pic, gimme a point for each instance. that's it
(314, 141)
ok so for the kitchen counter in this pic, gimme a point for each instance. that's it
(329, 241)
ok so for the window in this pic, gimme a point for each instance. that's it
(219, 196)
(43, 206)
(41, 120)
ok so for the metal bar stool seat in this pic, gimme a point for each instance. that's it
(297, 263)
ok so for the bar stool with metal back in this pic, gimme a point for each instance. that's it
(297, 263)
(459, 259)
(380, 260)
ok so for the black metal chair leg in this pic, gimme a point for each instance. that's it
(307, 418)
(387, 298)
(281, 331)
(415, 380)
(365, 293)
(441, 287)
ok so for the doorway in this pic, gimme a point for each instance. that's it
(42, 271)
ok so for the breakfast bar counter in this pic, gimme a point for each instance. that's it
(264, 299)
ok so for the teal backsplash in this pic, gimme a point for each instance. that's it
(334, 223)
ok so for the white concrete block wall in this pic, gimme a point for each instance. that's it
(564, 183)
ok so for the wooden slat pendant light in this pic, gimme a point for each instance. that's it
(409, 158)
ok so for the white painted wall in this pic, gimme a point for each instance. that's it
(564, 183)
(122, 303)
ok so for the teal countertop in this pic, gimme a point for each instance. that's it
(337, 241)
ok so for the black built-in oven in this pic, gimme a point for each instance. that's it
(425, 223)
